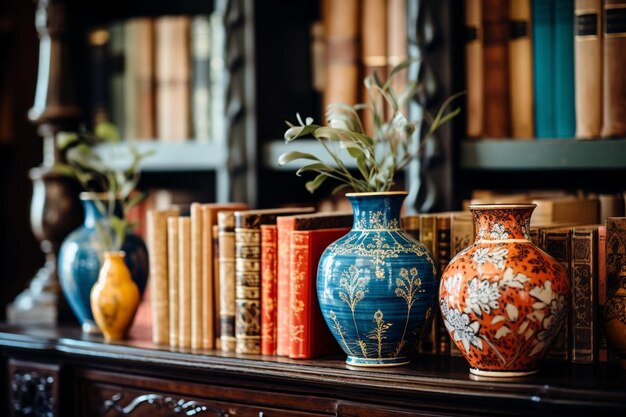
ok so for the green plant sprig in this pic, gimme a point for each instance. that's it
(394, 144)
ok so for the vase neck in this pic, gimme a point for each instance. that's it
(376, 211)
(504, 222)
(93, 214)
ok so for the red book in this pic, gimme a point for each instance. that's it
(269, 282)
(309, 336)
(285, 225)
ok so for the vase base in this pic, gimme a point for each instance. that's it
(502, 374)
(376, 363)
(90, 328)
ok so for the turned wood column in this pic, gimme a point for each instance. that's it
(55, 207)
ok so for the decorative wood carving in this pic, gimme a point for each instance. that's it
(32, 394)
(160, 402)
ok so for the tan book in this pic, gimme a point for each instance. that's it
(184, 282)
(474, 68)
(614, 68)
(172, 78)
(226, 238)
(210, 295)
(173, 266)
(197, 289)
(588, 68)
(216, 291)
(521, 70)
(373, 55)
(570, 210)
(139, 78)
(341, 26)
(157, 247)
(397, 48)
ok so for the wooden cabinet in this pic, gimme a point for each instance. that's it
(58, 372)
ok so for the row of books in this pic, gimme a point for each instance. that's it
(159, 77)
(545, 68)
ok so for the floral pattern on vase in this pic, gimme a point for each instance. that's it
(376, 285)
(79, 263)
(503, 300)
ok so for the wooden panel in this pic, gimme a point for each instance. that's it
(33, 389)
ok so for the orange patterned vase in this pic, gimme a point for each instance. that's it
(114, 297)
(503, 300)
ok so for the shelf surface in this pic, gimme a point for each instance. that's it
(549, 154)
(168, 156)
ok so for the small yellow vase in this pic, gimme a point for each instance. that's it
(114, 297)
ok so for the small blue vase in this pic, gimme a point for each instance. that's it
(79, 262)
(377, 285)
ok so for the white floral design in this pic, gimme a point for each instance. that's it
(482, 295)
(459, 326)
(498, 231)
(550, 324)
(497, 257)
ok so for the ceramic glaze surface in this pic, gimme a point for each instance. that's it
(376, 285)
(114, 297)
(79, 264)
(503, 300)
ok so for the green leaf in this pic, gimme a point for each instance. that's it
(107, 131)
(299, 131)
(66, 139)
(318, 167)
(314, 184)
(294, 155)
(339, 188)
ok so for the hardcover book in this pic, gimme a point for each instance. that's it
(615, 251)
(226, 226)
(614, 68)
(521, 69)
(269, 283)
(197, 290)
(474, 65)
(602, 293)
(309, 336)
(184, 282)
(173, 269)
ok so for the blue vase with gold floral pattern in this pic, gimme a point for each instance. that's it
(377, 285)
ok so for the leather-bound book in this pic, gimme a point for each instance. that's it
(248, 274)
(172, 267)
(411, 225)
(474, 71)
(461, 232)
(269, 283)
(543, 65)
(172, 78)
(159, 287)
(184, 282)
(308, 334)
(615, 251)
(373, 55)
(226, 226)
(341, 25)
(497, 118)
(584, 294)
(521, 70)
(443, 247)
(563, 77)
(614, 68)
(588, 68)
(603, 295)
(216, 292)
(198, 252)
(139, 79)
(285, 225)
(428, 237)
(200, 39)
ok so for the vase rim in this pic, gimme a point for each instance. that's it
(502, 206)
(94, 195)
(114, 254)
(377, 194)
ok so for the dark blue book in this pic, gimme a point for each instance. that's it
(564, 81)
(544, 68)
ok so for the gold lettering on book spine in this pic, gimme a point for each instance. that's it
(247, 290)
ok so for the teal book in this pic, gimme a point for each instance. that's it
(564, 81)
(544, 68)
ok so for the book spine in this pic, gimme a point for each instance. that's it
(116, 77)
(184, 279)
(474, 68)
(497, 123)
(285, 226)
(521, 69)
(584, 295)
(411, 225)
(205, 297)
(173, 269)
(172, 77)
(217, 327)
(615, 253)
(200, 78)
(397, 46)
(557, 245)
(298, 310)
(373, 53)
(461, 233)
(429, 342)
(226, 238)
(588, 68)
(442, 226)
(247, 289)
(196, 288)
(157, 247)
(341, 28)
(614, 68)
(543, 65)
(139, 78)
(602, 293)
(564, 84)
(269, 289)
